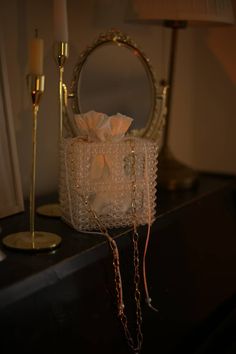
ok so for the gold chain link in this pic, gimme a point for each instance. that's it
(136, 347)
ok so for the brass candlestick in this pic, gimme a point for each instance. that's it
(62, 53)
(33, 240)
(62, 56)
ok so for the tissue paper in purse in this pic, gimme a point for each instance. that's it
(94, 126)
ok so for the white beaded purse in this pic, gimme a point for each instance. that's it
(108, 178)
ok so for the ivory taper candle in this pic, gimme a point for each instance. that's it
(36, 56)
(60, 21)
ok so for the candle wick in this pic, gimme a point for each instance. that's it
(36, 32)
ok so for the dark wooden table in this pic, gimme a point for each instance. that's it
(64, 302)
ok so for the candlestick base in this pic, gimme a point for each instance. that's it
(50, 210)
(25, 241)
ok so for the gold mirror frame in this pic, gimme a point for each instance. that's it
(156, 119)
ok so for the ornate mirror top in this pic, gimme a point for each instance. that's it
(113, 75)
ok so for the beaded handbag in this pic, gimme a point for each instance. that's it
(102, 176)
(111, 183)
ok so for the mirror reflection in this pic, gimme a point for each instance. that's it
(113, 79)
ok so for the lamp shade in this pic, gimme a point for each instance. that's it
(193, 11)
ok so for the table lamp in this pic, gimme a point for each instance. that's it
(176, 15)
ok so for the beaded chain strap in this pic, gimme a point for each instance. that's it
(136, 160)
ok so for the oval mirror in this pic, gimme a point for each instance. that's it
(114, 76)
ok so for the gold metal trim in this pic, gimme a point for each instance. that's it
(41, 241)
(62, 54)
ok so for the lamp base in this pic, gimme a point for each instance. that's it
(25, 241)
(174, 175)
(50, 210)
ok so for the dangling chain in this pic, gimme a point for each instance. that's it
(118, 285)
(136, 347)
(118, 282)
